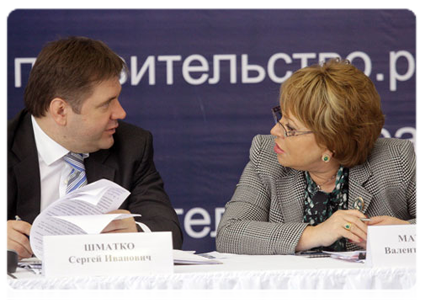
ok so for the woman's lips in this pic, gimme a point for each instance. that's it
(278, 150)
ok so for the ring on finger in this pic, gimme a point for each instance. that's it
(347, 226)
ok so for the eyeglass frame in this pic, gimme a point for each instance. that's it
(287, 133)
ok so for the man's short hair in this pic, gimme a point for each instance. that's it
(67, 69)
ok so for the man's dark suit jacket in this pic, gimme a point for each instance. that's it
(129, 163)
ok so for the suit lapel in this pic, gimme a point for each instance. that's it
(25, 165)
(96, 168)
(290, 191)
(359, 175)
(26, 170)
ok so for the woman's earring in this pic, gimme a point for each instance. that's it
(325, 158)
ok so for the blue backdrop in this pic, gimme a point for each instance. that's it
(204, 81)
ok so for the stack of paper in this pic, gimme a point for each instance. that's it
(83, 211)
(189, 258)
(352, 256)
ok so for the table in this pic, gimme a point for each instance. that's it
(241, 272)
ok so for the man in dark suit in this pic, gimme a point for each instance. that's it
(72, 106)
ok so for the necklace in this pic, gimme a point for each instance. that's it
(319, 186)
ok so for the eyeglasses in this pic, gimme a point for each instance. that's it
(277, 116)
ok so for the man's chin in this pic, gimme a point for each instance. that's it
(106, 144)
(102, 145)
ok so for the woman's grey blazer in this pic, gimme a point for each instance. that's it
(265, 214)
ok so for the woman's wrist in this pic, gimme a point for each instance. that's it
(308, 239)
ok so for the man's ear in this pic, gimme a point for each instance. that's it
(59, 110)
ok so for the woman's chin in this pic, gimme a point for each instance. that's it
(282, 160)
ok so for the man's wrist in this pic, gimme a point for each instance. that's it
(141, 227)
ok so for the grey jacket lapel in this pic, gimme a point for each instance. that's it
(359, 175)
(291, 187)
(290, 191)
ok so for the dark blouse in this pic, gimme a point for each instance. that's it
(319, 205)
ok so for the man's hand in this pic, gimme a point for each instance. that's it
(123, 225)
(17, 238)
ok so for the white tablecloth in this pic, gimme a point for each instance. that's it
(241, 272)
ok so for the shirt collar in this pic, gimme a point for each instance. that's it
(48, 149)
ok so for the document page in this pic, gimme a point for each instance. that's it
(79, 212)
(181, 257)
(352, 256)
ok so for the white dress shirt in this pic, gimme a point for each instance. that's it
(54, 170)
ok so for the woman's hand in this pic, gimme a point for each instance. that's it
(382, 220)
(386, 220)
(342, 224)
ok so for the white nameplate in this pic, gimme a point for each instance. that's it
(391, 245)
(108, 254)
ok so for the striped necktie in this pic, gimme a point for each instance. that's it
(76, 177)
